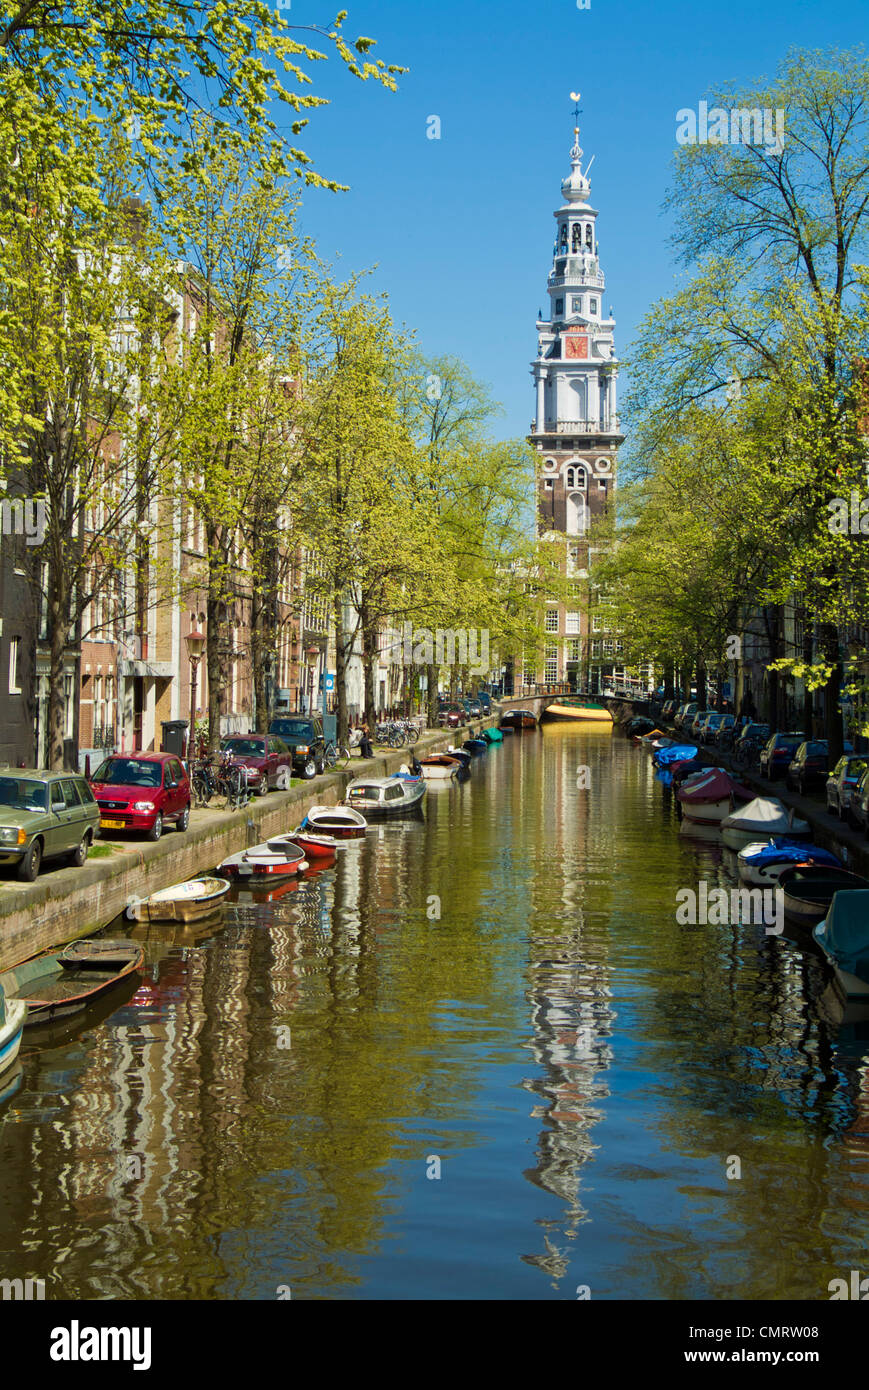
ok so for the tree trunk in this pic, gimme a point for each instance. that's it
(701, 683)
(431, 673)
(57, 650)
(829, 639)
(369, 661)
(808, 695)
(340, 667)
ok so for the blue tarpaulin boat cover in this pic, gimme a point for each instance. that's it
(846, 931)
(675, 754)
(782, 850)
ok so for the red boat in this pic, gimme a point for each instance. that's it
(313, 845)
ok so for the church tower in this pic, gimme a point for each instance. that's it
(575, 432)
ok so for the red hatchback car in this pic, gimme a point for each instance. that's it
(141, 791)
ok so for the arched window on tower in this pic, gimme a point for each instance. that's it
(577, 237)
(588, 236)
(575, 523)
(564, 236)
(576, 478)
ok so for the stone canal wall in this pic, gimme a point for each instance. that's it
(66, 903)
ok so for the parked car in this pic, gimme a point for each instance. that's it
(303, 737)
(693, 729)
(810, 764)
(726, 726)
(265, 759)
(710, 727)
(777, 753)
(141, 791)
(842, 782)
(473, 707)
(452, 716)
(485, 700)
(749, 733)
(668, 709)
(45, 815)
(685, 716)
(858, 806)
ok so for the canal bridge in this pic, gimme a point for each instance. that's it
(539, 697)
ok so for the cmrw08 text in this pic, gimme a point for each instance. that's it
(720, 1333)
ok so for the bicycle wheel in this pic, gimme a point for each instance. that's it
(330, 755)
(236, 789)
(412, 734)
(201, 790)
(396, 738)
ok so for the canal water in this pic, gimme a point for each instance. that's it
(478, 1058)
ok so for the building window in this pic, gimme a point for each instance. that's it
(576, 304)
(596, 623)
(572, 650)
(550, 667)
(595, 648)
(607, 646)
(559, 306)
(592, 306)
(548, 484)
(14, 687)
(571, 623)
(551, 621)
(576, 514)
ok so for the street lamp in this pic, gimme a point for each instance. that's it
(195, 647)
(312, 656)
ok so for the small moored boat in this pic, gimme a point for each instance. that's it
(439, 768)
(580, 710)
(519, 719)
(183, 902)
(809, 889)
(475, 746)
(385, 796)
(762, 818)
(460, 755)
(13, 1015)
(312, 845)
(59, 983)
(341, 822)
(708, 796)
(493, 736)
(261, 861)
(765, 863)
(843, 936)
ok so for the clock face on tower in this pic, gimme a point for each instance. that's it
(576, 345)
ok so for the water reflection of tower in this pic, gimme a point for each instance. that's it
(569, 989)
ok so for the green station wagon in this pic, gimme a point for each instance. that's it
(44, 815)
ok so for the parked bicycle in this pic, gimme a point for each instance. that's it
(224, 780)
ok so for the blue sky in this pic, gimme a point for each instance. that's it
(461, 228)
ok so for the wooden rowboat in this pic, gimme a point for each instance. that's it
(183, 902)
(13, 1015)
(808, 889)
(60, 983)
(439, 767)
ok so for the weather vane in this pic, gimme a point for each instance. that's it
(577, 112)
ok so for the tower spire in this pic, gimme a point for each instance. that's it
(576, 152)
